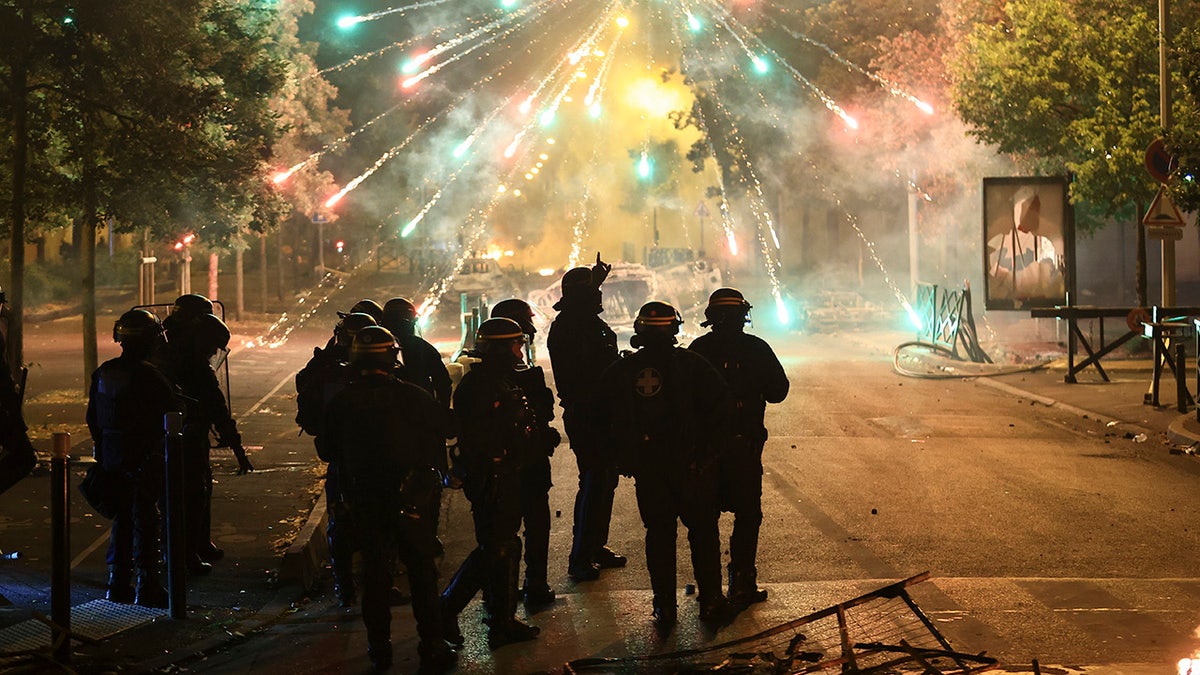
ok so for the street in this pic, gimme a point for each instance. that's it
(1047, 536)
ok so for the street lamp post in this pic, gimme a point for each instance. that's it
(1164, 109)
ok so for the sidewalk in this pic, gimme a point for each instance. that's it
(279, 587)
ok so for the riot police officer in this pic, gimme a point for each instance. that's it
(126, 404)
(581, 346)
(325, 374)
(385, 436)
(17, 456)
(423, 363)
(755, 378)
(196, 347)
(663, 407)
(535, 467)
(498, 427)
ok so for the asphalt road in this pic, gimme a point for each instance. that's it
(1045, 538)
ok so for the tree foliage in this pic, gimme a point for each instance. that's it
(1067, 85)
(1184, 139)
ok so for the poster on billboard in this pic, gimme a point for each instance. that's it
(1028, 242)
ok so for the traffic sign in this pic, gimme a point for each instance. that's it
(1159, 162)
(1163, 212)
(701, 210)
(320, 218)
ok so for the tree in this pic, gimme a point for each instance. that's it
(1184, 139)
(1067, 86)
(157, 114)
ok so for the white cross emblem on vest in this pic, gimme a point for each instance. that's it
(648, 382)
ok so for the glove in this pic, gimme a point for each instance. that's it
(600, 271)
(244, 465)
(552, 438)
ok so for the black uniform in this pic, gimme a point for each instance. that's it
(581, 346)
(126, 404)
(535, 482)
(206, 410)
(497, 432)
(663, 407)
(17, 456)
(385, 436)
(326, 374)
(755, 378)
(423, 366)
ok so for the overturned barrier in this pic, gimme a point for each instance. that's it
(883, 631)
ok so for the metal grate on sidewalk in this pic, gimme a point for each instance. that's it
(96, 619)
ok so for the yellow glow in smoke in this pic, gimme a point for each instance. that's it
(657, 99)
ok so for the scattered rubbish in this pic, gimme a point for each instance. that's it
(874, 512)
(881, 631)
(1112, 423)
(11, 555)
(1140, 438)
(1192, 449)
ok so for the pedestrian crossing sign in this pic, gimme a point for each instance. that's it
(1163, 212)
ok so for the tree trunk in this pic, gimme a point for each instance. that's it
(214, 269)
(20, 154)
(87, 260)
(239, 283)
(1140, 280)
(262, 271)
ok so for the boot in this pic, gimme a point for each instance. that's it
(120, 585)
(714, 611)
(607, 559)
(436, 658)
(538, 595)
(150, 592)
(380, 654)
(665, 616)
(744, 590)
(504, 628)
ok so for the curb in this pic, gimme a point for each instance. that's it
(1055, 403)
(304, 560)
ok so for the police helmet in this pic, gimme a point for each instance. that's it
(496, 337)
(518, 310)
(349, 327)
(399, 316)
(191, 304)
(726, 305)
(137, 327)
(374, 346)
(365, 306)
(657, 321)
(578, 277)
(209, 334)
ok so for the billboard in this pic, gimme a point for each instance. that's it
(1028, 242)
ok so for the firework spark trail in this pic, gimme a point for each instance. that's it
(363, 18)
(892, 88)
(520, 19)
(727, 224)
(465, 145)
(595, 93)
(596, 90)
(584, 48)
(363, 58)
(383, 159)
(565, 61)
(724, 18)
(281, 177)
(762, 216)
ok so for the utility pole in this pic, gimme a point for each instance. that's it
(1164, 109)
